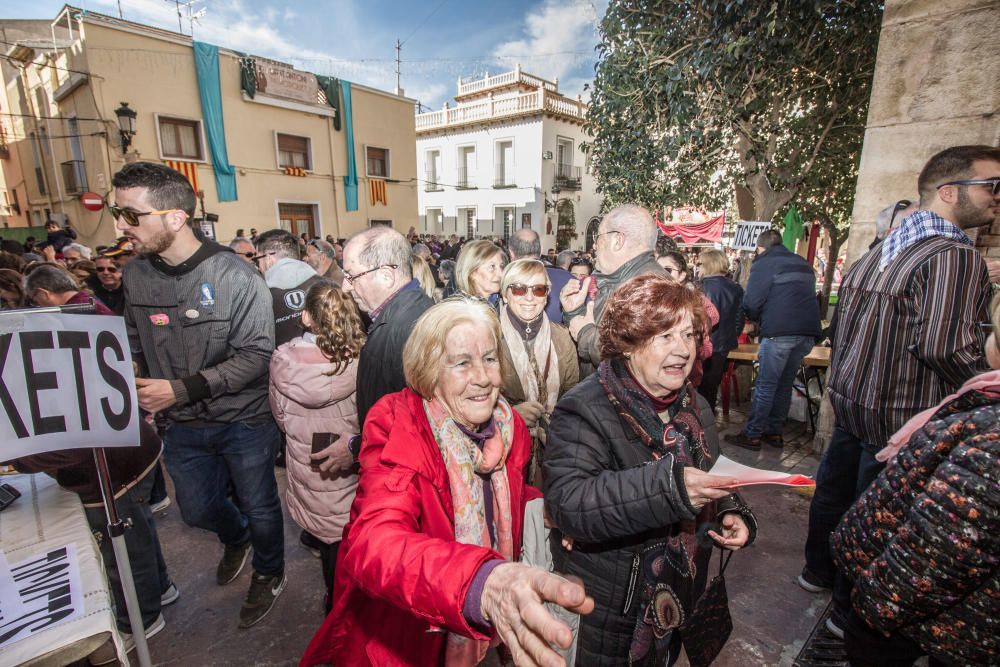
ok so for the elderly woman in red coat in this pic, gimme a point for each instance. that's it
(426, 574)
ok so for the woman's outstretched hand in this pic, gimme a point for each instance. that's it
(513, 601)
(735, 532)
(703, 488)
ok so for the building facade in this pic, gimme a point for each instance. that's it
(264, 146)
(507, 156)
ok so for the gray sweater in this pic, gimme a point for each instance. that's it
(207, 326)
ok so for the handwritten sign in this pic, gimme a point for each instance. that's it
(38, 593)
(66, 382)
(746, 234)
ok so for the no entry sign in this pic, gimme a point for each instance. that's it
(92, 201)
(66, 382)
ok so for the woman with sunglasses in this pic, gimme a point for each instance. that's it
(538, 358)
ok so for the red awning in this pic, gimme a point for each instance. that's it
(710, 230)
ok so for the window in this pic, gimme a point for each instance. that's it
(380, 223)
(293, 151)
(180, 138)
(432, 171)
(378, 161)
(466, 167)
(504, 168)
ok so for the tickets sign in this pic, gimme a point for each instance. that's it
(66, 382)
(746, 234)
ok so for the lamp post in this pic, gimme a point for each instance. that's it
(126, 125)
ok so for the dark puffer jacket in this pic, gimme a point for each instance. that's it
(922, 545)
(603, 489)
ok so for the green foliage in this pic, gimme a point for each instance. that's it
(693, 99)
(565, 225)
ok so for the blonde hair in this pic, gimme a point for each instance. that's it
(336, 324)
(714, 262)
(425, 347)
(520, 271)
(473, 255)
(422, 272)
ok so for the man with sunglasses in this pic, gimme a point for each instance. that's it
(200, 322)
(243, 249)
(106, 284)
(907, 335)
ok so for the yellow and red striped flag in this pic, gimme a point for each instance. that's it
(378, 193)
(189, 169)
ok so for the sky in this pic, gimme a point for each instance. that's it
(355, 39)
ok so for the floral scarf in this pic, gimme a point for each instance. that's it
(673, 573)
(466, 464)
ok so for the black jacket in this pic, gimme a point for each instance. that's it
(727, 297)
(781, 294)
(603, 489)
(380, 366)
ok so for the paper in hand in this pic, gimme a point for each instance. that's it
(748, 476)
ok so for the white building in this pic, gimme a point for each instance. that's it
(506, 157)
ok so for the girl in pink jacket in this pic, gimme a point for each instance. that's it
(312, 393)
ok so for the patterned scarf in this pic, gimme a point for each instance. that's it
(536, 361)
(673, 574)
(466, 463)
(915, 228)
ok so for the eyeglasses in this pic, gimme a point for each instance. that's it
(107, 269)
(610, 231)
(517, 289)
(351, 279)
(249, 255)
(994, 184)
(901, 205)
(256, 258)
(132, 217)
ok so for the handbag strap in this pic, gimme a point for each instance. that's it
(724, 559)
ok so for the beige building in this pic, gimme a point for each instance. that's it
(65, 81)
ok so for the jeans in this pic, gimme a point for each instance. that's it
(203, 460)
(848, 468)
(149, 571)
(779, 359)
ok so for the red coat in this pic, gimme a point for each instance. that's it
(401, 577)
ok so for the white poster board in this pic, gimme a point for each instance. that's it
(746, 234)
(66, 382)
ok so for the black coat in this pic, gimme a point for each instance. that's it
(603, 489)
(727, 297)
(380, 366)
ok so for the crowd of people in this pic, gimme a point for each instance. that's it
(447, 409)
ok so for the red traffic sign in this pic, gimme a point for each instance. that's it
(92, 201)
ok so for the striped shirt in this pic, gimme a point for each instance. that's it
(908, 336)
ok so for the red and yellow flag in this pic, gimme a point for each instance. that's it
(189, 169)
(376, 188)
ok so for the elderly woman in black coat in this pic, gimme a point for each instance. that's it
(625, 479)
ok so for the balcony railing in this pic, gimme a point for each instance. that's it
(503, 176)
(505, 79)
(502, 107)
(74, 174)
(567, 177)
(465, 179)
(431, 182)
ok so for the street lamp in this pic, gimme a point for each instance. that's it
(126, 125)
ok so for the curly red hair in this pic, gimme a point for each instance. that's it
(644, 307)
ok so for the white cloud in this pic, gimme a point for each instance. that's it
(558, 41)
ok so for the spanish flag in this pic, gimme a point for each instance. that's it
(376, 188)
(189, 169)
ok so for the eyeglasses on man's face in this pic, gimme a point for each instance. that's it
(131, 217)
(540, 291)
(353, 278)
(992, 183)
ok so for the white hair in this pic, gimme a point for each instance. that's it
(84, 251)
(635, 223)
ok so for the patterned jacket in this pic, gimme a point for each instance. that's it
(922, 545)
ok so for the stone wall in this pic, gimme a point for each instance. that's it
(937, 84)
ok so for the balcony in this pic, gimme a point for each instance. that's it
(506, 79)
(503, 176)
(74, 175)
(567, 177)
(499, 108)
(431, 182)
(465, 179)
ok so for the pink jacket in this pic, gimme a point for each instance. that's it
(306, 400)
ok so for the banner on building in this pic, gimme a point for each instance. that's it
(746, 234)
(189, 169)
(66, 382)
(377, 190)
(280, 80)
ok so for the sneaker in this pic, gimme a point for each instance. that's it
(810, 582)
(309, 543)
(232, 563)
(774, 440)
(741, 439)
(264, 590)
(106, 653)
(169, 596)
(156, 508)
(834, 629)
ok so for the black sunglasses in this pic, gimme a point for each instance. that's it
(108, 269)
(132, 217)
(517, 289)
(994, 184)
